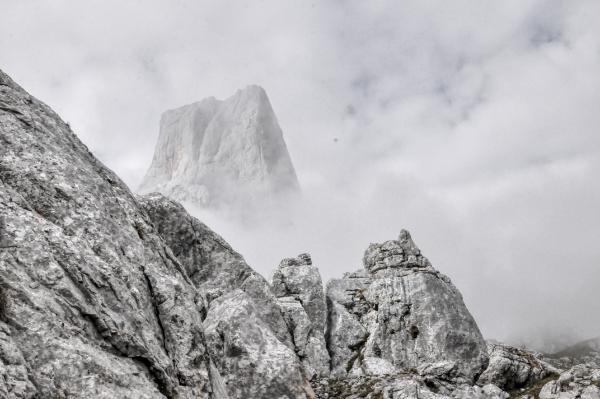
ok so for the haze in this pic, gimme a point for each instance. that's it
(472, 124)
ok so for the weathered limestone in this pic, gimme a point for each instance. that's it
(211, 264)
(254, 363)
(297, 284)
(14, 378)
(400, 309)
(400, 385)
(581, 381)
(116, 295)
(215, 153)
(512, 368)
(99, 306)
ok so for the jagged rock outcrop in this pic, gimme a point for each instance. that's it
(112, 295)
(99, 305)
(399, 312)
(246, 328)
(581, 381)
(512, 368)
(215, 153)
(255, 364)
(211, 264)
(298, 286)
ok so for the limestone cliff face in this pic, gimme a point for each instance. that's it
(99, 305)
(399, 312)
(215, 153)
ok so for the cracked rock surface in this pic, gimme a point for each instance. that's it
(299, 289)
(402, 312)
(404, 384)
(114, 295)
(254, 362)
(581, 381)
(98, 304)
(211, 264)
(512, 368)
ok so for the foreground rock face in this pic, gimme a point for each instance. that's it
(98, 303)
(211, 264)
(297, 284)
(216, 153)
(100, 306)
(399, 312)
(511, 368)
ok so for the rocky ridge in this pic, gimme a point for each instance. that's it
(399, 312)
(112, 295)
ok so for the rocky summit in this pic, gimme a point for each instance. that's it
(222, 153)
(107, 294)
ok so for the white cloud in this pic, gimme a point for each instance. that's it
(473, 124)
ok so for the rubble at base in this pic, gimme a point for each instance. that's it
(400, 385)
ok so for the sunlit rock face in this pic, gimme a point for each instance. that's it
(399, 312)
(222, 153)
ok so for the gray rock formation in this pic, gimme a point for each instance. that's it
(254, 362)
(512, 368)
(14, 377)
(581, 381)
(99, 306)
(215, 153)
(105, 294)
(402, 312)
(211, 264)
(297, 284)
(247, 329)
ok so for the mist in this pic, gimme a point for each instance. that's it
(472, 125)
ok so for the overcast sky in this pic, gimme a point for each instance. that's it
(475, 125)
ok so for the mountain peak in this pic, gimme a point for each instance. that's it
(215, 153)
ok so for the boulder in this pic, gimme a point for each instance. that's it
(254, 363)
(399, 308)
(512, 368)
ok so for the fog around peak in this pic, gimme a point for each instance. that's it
(472, 125)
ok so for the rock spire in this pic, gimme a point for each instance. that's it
(222, 153)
